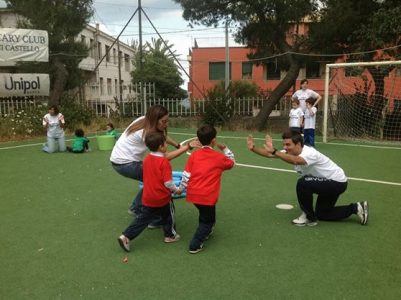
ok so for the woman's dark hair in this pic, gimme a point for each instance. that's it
(154, 140)
(295, 137)
(55, 108)
(304, 80)
(79, 132)
(206, 134)
(110, 125)
(149, 123)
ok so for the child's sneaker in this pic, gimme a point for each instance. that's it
(124, 242)
(172, 239)
(194, 251)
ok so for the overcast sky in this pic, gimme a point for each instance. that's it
(166, 16)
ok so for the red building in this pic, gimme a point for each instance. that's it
(207, 67)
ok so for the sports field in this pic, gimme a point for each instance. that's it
(61, 214)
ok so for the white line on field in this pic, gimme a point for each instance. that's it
(244, 165)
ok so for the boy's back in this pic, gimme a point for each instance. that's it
(206, 166)
(156, 171)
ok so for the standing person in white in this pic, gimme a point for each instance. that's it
(296, 116)
(54, 123)
(319, 175)
(305, 93)
(310, 122)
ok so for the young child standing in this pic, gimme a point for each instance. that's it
(201, 178)
(296, 116)
(80, 143)
(157, 189)
(310, 122)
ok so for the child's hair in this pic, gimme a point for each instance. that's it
(110, 125)
(295, 137)
(206, 134)
(154, 140)
(295, 100)
(310, 100)
(304, 80)
(79, 132)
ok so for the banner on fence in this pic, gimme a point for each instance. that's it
(24, 84)
(23, 45)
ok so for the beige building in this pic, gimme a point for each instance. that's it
(102, 89)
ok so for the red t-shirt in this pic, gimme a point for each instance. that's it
(156, 171)
(206, 166)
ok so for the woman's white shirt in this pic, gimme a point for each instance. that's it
(129, 147)
(54, 130)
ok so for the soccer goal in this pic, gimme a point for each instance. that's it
(362, 101)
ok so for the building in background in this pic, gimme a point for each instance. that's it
(105, 85)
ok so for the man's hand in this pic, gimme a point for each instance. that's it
(268, 144)
(250, 142)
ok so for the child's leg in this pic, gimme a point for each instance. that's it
(168, 219)
(207, 219)
(141, 221)
(312, 137)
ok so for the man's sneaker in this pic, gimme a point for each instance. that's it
(194, 251)
(302, 220)
(362, 210)
(124, 242)
(172, 239)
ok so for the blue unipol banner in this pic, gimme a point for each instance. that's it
(24, 84)
(23, 45)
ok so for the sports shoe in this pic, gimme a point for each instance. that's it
(362, 212)
(172, 239)
(194, 251)
(124, 242)
(131, 212)
(302, 220)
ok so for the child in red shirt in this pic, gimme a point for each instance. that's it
(201, 178)
(157, 189)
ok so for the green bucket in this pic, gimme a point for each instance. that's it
(105, 142)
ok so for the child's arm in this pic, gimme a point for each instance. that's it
(227, 152)
(172, 187)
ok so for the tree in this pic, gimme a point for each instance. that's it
(63, 20)
(363, 27)
(158, 66)
(263, 25)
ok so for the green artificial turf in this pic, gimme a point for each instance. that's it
(61, 214)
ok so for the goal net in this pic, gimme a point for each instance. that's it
(362, 101)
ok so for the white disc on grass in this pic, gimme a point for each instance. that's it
(284, 206)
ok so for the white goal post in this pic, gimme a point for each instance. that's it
(342, 88)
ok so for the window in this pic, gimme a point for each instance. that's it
(107, 48)
(115, 86)
(92, 48)
(217, 70)
(271, 71)
(109, 87)
(83, 39)
(313, 70)
(120, 54)
(114, 56)
(99, 50)
(127, 62)
(101, 86)
(247, 70)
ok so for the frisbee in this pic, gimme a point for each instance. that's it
(284, 206)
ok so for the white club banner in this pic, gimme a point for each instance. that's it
(23, 45)
(24, 84)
